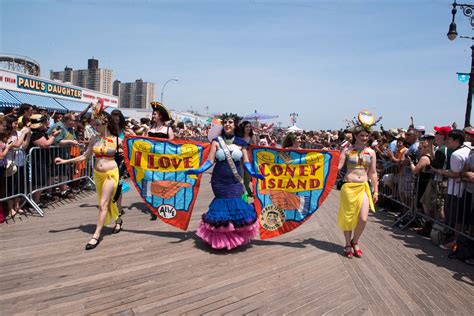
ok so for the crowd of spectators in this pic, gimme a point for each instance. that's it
(442, 160)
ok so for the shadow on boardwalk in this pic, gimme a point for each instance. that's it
(431, 253)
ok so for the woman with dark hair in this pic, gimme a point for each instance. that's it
(5, 147)
(355, 197)
(230, 221)
(16, 182)
(40, 158)
(246, 132)
(106, 175)
(119, 120)
(292, 141)
(159, 117)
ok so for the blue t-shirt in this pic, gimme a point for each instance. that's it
(65, 132)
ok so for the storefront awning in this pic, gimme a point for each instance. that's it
(38, 100)
(7, 100)
(72, 106)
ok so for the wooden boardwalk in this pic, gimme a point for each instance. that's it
(151, 268)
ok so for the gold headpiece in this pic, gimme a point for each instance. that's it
(98, 110)
(365, 121)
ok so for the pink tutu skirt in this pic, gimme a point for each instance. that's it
(227, 237)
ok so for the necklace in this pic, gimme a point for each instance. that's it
(229, 139)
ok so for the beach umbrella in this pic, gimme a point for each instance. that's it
(259, 116)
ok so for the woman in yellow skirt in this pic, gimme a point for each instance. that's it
(106, 175)
(355, 198)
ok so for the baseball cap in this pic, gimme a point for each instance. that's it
(469, 130)
(443, 130)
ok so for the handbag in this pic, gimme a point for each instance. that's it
(10, 168)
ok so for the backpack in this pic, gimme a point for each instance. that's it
(439, 234)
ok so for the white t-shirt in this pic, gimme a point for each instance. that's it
(17, 155)
(470, 162)
(458, 160)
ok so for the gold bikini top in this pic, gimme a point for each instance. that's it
(358, 159)
(105, 147)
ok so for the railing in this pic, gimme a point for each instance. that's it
(446, 202)
(15, 184)
(37, 172)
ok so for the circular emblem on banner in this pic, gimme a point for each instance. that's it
(166, 211)
(272, 218)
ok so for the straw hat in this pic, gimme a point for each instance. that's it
(37, 120)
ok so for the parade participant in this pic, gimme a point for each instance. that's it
(292, 141)
(160, 117)
(106, 176)
(247, 134)
(158, 128)
(355, 197)
(230, 221)
(121, 126)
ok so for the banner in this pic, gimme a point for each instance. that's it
(297, 182)
(157, 167)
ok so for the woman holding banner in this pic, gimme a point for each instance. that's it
(230, 221)
(106, 174)
(355, 197)
(159, 117)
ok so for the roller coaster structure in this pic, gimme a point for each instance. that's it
(18, 63)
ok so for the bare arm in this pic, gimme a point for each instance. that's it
(372, 174)
(212, 152)
(86, 155)
(342, 159)
(170, 134)
(424, 161)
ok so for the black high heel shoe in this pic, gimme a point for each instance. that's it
(119, 229)
(90, 246)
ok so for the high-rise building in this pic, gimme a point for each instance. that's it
(134, 95)
(92, 78)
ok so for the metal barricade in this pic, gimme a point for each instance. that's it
(398, 185)
(449, 205)
(445, 201)
(44, 174)
(15, 184)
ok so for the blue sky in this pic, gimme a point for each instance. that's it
(325, 60)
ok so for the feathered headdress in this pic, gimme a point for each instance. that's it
(230, 116)
(365, 121)
(98, 110)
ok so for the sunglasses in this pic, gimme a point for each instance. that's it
(228, 122)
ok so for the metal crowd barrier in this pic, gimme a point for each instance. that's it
(44, 174)
(15, 185)
(37, 172)
(448, 203)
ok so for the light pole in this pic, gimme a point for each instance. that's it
(467, 10)
(163, 88)
(293, 117)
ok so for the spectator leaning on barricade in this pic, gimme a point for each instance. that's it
(455, 199)
(5, 148)
(411, 137)
(434, 197)
(66, 139)
(15, 183)
(468, 177)
(40, 163)
(424, 176)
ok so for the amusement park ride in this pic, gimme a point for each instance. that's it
(22, 64)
